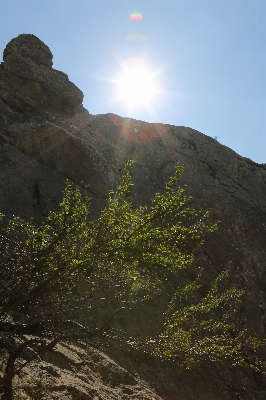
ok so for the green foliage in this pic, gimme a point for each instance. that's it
(90, 271)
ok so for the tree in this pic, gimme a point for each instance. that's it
(77, 278)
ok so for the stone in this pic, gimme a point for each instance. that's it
(29, 83)
(29, 46)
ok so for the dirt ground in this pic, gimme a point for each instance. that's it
(78, 372)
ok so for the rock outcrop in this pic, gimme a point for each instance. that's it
(27, 80)
(46, 137)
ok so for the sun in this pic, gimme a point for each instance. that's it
(136, 84)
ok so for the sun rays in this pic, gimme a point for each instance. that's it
(136, 85)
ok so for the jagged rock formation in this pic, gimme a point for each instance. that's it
(28, 80)
(47, 136)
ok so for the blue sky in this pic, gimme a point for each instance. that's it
(208, 58)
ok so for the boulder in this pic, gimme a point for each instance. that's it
(28, 81)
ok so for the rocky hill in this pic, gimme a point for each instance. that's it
(46, 137)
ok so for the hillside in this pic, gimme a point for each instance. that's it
(46, 137)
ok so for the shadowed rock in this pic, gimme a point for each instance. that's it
(29, 46)
(47, 136)
(28, 81)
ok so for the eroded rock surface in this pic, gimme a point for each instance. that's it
(46, 136)
(28, 81)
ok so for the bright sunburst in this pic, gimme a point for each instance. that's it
(136, 84)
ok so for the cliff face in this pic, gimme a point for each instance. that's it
(47, 136)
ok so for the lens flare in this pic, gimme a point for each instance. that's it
(135, 37)
(136, 17)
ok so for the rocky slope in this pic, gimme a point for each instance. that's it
(47, 136)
